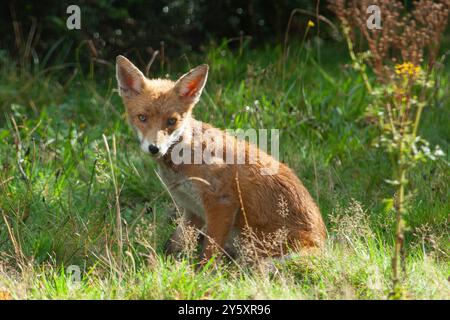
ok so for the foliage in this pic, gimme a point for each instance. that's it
(141, 27)
(58, 201)
(401, 91)
(70, 168)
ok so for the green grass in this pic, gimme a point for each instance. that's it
(58, 199)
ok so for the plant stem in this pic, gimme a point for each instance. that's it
(417, 120)
(355, 59)
(397, 292)
(119, 234)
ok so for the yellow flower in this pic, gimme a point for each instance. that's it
(407, 69)
(310, 24)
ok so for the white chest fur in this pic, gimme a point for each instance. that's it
(183, 191)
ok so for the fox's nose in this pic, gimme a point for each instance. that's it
(153, 149)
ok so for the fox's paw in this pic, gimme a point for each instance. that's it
(172, 247)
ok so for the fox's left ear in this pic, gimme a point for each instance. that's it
(190, 85)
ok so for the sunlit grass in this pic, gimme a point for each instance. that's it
(57, 195)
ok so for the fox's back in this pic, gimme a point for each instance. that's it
(266, 202)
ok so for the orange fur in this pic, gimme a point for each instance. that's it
(222, 198)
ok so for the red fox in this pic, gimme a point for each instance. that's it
(217, 196)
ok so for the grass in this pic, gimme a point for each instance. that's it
(58, 198)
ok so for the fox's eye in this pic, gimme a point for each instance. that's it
(171, 121)
(142, 118)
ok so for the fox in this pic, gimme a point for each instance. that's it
(224, 200)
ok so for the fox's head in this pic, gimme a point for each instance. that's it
(158, 109)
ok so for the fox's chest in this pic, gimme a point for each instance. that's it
(183, 191)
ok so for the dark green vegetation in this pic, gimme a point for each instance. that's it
(139, 27)
(57, 195)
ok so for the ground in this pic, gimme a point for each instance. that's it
(67, 151)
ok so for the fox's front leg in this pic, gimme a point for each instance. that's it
(175, 244)
(219, 222)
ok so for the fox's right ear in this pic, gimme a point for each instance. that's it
(129, 79)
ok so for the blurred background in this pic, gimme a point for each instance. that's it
(140, 27)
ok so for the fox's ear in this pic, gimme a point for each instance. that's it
(129, 79)
(190, 85)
